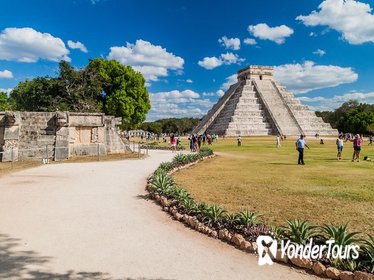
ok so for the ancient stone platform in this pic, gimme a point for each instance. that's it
(258, 105)
(57, 135)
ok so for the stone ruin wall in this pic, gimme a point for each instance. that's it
(57, 135)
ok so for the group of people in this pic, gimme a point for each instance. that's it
(357, 141)
(357, 145)
(195, 141)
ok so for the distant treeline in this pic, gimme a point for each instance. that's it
(351, 117)
(171, 125)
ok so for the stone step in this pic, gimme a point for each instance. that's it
(248, 132)
(241, 126)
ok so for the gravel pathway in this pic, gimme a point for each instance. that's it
(91, 221)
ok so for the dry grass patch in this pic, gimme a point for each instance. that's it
(260, 177)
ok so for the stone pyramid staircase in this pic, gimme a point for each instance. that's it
(258, 105)
(243, 114)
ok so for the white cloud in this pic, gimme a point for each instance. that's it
(278, 34)
(250, 41)
(6, 90)
(230, 80)
(230, 43)
(29, 45)
(77, 45)
(327, 104)
(302, 78)
(220, 93)
(319, 52)
(189, 81)
(151, 60)
(351, 18)
(210, 63)
(178, 104)
(6, 74)
(230, 58)
(225, 58)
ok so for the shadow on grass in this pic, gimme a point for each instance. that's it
(16, 264)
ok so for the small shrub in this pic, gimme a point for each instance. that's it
(162, 183)
(205, 152)
(368, 250)
(339, 234)
(180, 159)
(248, 218)
(213, 215)
(232, 221)
(189, 206)
(298, 231)
(166, 166)
(251, 233)
(346, 264)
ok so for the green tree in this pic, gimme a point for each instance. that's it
(125, 94)
(4, 105)
(103, 86)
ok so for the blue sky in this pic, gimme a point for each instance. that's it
(189, 51)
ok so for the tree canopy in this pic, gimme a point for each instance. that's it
(351, 117)
(4, 105)
(102, 86)
(171, 125)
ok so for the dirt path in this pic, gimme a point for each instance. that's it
(91, 221)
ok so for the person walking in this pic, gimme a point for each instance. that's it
(339, 146)
(357, 145)
(278, 141)
(173, 143)
(300, 146)
(370, 140)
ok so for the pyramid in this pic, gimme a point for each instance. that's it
(258, 105)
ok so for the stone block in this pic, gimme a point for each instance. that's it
(11, 133)
(333, 273)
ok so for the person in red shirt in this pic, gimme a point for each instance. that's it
(357, 145)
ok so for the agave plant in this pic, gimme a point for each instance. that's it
(205, 152)
(232, 220)
(189, 206)
(180, 194)
(180, 159)
(340, 234)
(248, 218)
(166, 166)
(368, 249)
(298, 231)
(277, 233)
(346, 264)
(162, 183)
(213, 215)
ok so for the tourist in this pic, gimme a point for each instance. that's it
(199, 139)
(191, 143)
(239, 140)
(357, 144)
(278, 141)
(300, 146)
(209, 139)
(339, 146)
(173, 143)
(195, 145)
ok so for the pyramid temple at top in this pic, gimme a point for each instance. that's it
(259, 105)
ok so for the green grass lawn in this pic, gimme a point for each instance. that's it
(263, 178)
